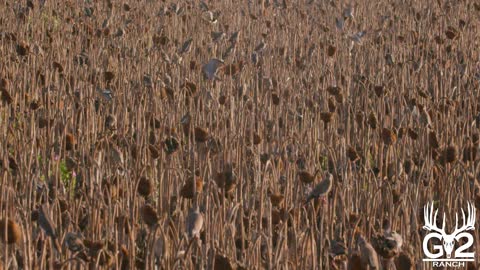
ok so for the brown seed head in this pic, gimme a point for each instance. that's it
(355, 261)
(233, 69)
(187, 190)
(149, 215)
(412, 134)
(326, 117)
(432, 140)
(108, 76)
(22, 49)
(110, 122)
(450, 153)
(407, 166)
(379, 90)
(359, 118)
(404, 262)
(201, 135)
(331, 50)
(223, 263)
(332, 107)
(278, 215)
(4, 84)
(145, 187)
(70, 141)
(372, 120)
(452, 33)
(306, 177)
(57, 66)
(388, 136)
(275, 98)
(154, 151)
(352, 154)
(339, 98)
(6, 97)
(276, 199)
(10, 232)
(334, 90)
(227, 179)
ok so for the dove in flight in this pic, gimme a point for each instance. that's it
(210, 68)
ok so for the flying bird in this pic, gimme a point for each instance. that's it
(321, 189)
(260, 47)
(234, 37)
(210, 69)
(106, 93)
(204, 6)
(358, 37)
(339, 23)
(210, 17)
(348, 12)
(217, 36)
(229, 51)
(186, 47)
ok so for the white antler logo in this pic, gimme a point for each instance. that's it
(448, 240)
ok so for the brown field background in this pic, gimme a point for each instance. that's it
(107, 117)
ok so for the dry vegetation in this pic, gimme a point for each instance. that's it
(126, 143)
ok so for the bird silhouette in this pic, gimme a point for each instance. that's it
(210, 68)
(368, 255)
(194, 223)
(321, 189)
(45, 222)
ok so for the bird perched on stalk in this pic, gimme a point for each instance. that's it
(194, 222)
(337, 252)
(368, 255)
(321, 189)
(45, 222)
